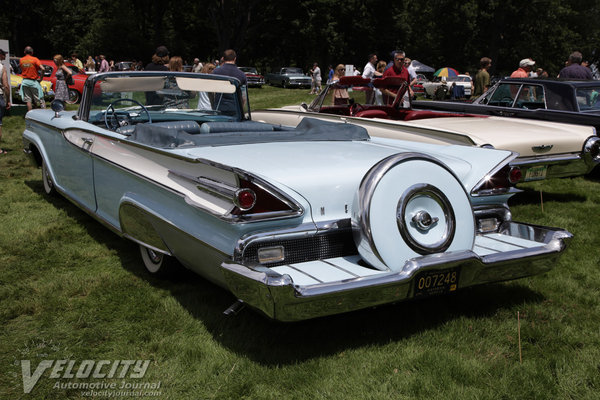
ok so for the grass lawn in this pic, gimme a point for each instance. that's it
(72, 290)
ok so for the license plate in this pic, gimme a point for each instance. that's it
(434, 283)
(536, 173)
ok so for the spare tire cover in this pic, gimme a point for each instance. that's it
(409, 205)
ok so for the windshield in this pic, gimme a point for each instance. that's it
(292, 71)
(249, 70)
(588, 99)
(191, 96)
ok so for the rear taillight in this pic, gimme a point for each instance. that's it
(253, 198)
(245, 199)
(515, 175)
(498, 183)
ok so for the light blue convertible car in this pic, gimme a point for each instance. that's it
(297, 222)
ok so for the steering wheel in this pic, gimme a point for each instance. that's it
(355, 108)
(113, 123)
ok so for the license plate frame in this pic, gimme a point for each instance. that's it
(536, 173)
(436, 282)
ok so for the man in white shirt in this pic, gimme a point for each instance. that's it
(368, 73)
(413, 76)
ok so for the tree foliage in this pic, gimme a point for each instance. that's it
(269, 33)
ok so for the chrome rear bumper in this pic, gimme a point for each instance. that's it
(280, 298)
(557, 166)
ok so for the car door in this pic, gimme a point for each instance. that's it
(72, 165)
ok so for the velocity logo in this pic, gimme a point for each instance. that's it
(71, 369)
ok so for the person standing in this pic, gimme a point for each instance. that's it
(76, 61)
(61, 89)
(90, 65)
(340, 94)
(412, 73)
(32, 71)
(575, 70)
(525, 67)
(369, 73)
(399, 71)
(482, 77)
(174, 96)
(104, 67)
(315, 74)
(203, 99)
(160, 59)
(4, 93)
(229, 68)
(197, 67)
(330, 75)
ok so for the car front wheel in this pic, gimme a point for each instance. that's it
(47, 179)
(74, 96)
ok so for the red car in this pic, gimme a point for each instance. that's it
(79, 77)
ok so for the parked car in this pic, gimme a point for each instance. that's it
(123, 65)
(573, 102)
(547, 149)
(253, 77)
(431, 89)
(297, 222)
(418, 87)
(288, 77)
(15, 84)
(79, 78)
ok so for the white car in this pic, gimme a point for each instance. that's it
(296, 223)
(465, 81)
(546, 149)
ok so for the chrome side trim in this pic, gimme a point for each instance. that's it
(209, 185)
(526, 161)
(136, 224)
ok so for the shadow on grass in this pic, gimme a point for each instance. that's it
(274, 343)
(532, 196)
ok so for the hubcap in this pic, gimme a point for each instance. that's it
(424, 221)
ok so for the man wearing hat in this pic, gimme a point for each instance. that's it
(160, 59)
(4, 92)
(525, 67)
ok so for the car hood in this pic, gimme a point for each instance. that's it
(327, 174)
(516, 134)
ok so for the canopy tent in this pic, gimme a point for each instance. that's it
(420, 67)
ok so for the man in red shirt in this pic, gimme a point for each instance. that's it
(32, 72)
(525, 67)
(397, 70)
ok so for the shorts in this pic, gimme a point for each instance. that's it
(2, 107)
(31, 94)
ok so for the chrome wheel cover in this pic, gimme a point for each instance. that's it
(426, 219)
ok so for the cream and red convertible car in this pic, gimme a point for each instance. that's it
(546, 149)
(296, 222)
